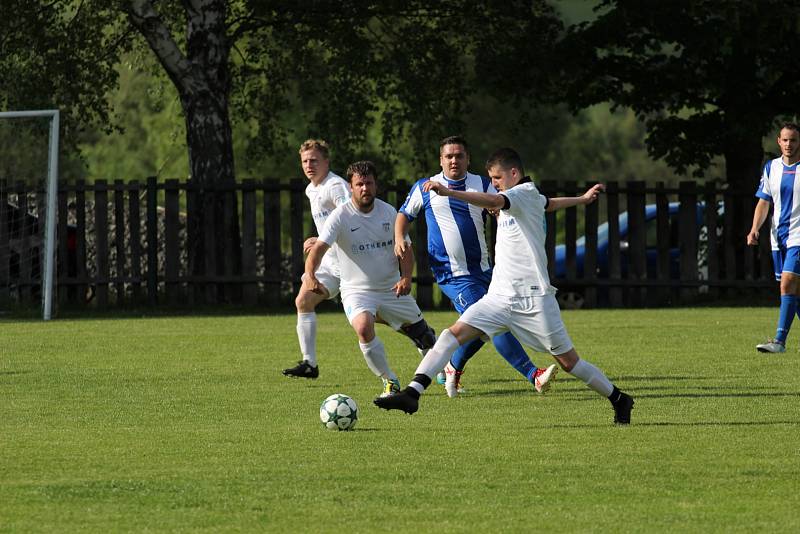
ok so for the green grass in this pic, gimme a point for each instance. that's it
(186, 424)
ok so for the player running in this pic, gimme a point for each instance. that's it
(459, 257)
(371, 286)
(779, 186)
(326, 191)
(520, 298)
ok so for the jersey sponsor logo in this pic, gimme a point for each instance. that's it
(509, 221)
(365, 248)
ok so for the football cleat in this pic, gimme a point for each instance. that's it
(452, 382)
(440, 378)
(543, 377)
(390, 386)
(398, 401)
(771, 345)
(622, 409)
(303, 369)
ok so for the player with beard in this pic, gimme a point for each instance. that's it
(371, 285)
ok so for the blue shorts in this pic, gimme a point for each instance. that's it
(786, 260)
(464, 291)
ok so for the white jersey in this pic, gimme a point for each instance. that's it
(456, 240)
(325, 197)
(366, 245)
(520, 259)
(779, 185)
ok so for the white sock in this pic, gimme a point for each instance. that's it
(592, 377)
(439, 355)
(307, 336)
(375, 355)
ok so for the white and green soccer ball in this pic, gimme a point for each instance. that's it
(338, 412)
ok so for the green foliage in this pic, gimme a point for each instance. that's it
(707, 78)
(186, 424)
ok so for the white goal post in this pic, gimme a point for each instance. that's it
(52, 192)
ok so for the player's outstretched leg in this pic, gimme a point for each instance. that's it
(408, 399)
(596, 380)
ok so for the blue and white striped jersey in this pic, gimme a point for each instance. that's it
(456, 239)
(779, 186)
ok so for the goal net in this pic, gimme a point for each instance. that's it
(28, 189)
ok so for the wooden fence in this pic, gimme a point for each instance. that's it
(130, 244)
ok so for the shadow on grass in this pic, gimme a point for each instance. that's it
(636, 423)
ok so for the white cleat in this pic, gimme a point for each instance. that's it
(452, 382)
(543, 377)
(771, 345)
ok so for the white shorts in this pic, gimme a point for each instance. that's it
(534, 321)
(328, 274)
(395, 311)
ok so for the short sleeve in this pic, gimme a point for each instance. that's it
(330, 231)
(414, 202)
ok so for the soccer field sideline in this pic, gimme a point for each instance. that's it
(186, 424)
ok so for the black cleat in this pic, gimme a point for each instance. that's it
(398, 401)
(622, 409)
(302, 370)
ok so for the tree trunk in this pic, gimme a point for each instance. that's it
(202, 78)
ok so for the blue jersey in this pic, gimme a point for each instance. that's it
(456, 239)
(780, 186)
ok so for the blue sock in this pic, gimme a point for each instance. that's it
(510, 349)
(466, 351)
(788, 309)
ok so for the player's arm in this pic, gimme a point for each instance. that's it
(401, 225)
(759, 216)
(488, 201)
(312, 264)
(567, 202)
(403, 286)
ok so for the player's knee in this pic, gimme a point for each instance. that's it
(420, 333)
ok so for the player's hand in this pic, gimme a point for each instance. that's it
(593, 192)
(401, 248)
(436, 187)
(308, 243)
(402, 287)
(752, 238)
(314, 285)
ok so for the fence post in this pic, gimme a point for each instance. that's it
(5, 246)
(273, 255)
(249, 288)
(663, 234)
(297, 231)
(571, 233)
(590, 253)
(172, 252)
(687, 229)
(119, 239)
(614, 268)
(134, 228)
(80, 242)
(101, 241)
(711, 245)
(637, 242)
(152, 240)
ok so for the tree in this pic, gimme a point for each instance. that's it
(706, 77)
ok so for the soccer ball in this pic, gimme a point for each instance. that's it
(338, 412)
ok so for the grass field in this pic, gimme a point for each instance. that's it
(186, 424)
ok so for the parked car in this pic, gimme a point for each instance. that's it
(650, 220)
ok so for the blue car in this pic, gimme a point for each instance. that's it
(652, 252)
